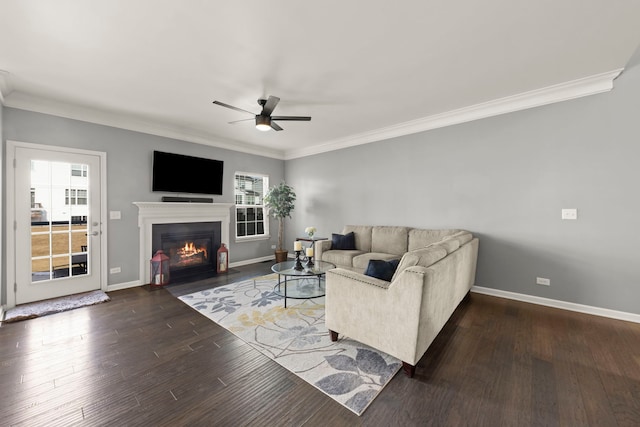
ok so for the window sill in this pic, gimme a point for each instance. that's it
(252, 238)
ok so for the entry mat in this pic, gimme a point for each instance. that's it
(55, 305)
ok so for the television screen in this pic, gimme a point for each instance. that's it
(177, 173)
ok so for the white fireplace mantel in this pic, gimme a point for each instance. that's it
(150, 213)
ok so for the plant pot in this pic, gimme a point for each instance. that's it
(281, 256)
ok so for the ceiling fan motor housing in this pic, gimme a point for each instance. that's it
(263, 122)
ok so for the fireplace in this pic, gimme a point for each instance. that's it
(174, 220)
(191, 248)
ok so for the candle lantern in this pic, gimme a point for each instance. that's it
(223, 259)
(159, 269)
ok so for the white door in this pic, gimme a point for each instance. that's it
(57, 213)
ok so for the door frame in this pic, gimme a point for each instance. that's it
(11, 213)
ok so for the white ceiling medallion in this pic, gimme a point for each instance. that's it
(557, 93)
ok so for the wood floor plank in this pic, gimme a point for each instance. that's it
(145, 358)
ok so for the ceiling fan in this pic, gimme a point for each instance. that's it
(264, 120)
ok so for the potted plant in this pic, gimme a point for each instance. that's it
(279, 202)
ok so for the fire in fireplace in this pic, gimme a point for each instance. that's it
(190, 254)
(191, 248)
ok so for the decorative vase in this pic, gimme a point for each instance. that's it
(281, 256)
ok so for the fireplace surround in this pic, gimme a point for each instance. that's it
(190, 246)
(150, 213)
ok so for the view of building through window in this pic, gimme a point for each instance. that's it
(59, 192)
(249, 192)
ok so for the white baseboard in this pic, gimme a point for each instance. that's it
(587, 309)
(251, 261)
(2, 310)
(126, 285)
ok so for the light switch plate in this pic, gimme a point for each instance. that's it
(115, 215)
(569, 213)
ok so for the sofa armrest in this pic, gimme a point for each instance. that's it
(321, 246)
(381, 314)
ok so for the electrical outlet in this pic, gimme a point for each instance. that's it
(569, 213)
(115, 270)
(542, 281)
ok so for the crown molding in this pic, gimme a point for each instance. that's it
(5, 86)
(23, 101)
(586, 86)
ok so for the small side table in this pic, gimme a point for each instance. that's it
(312, 240)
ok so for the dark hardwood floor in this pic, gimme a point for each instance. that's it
(145, 358)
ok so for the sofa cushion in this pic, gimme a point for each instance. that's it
(381, 269)
(344, 242)
(340, 258)
(390, 240)
(423, 257)
(361, 261)
(419, 238)
(362, 234)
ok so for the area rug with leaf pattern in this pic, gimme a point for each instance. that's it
(296, 337)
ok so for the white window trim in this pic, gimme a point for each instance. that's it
(252, 238)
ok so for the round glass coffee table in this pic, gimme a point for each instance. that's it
(300, 284)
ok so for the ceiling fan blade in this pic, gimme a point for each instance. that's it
(238, 121)
(275, 126)
(222, 104)
(270, 105)
(292, 118)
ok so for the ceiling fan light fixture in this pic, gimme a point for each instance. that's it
(264, 120)
(263, 123)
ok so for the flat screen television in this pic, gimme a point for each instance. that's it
(177, 173)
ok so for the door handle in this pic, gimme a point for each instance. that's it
(95, 233)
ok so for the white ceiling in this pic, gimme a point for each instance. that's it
(364, 70)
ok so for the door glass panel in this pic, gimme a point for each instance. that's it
(40, 241)
(79, 240)
(59, 212)
(60, 240)
(40, 269)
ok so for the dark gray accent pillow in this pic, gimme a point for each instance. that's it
(381, 269)
(346, 242)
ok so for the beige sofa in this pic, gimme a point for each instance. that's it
(401, 317)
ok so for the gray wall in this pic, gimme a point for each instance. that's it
(506, 179)
(129, 176)
(3, 290)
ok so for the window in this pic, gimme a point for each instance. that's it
(75, 197)
(250, 189)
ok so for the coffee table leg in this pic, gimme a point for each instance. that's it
(285, 291)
